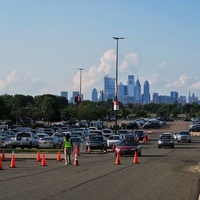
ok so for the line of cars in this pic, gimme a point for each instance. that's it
(84, 138)
(168, 139)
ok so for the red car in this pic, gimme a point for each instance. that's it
(128, 147)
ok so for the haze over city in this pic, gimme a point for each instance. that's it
(43, 43)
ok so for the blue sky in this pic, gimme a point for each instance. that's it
(44, 42)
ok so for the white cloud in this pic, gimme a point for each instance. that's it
(130, 63)
(25, 83)
(183, 80)
(195, 86)
(94, 76)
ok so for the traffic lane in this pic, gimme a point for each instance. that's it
(159, 171)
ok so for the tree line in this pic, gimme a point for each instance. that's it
(52, 108)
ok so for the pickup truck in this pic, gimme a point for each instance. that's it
(24, 140)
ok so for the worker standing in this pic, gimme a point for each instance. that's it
(68, 147)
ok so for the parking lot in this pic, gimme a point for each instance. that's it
(97, 176)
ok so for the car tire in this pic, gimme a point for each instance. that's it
(159, 147)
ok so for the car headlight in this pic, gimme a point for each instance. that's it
(171, 142)
(159, 142)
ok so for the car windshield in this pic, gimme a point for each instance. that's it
(96, 139)
(139, 133)
(184, 133)
(23, 135)
(127, 143)
(113, 138)
(47, 138)
(166, 137)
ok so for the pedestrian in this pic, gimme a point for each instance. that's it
(68, 147)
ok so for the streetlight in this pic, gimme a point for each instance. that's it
(80, 96)
(116, 104)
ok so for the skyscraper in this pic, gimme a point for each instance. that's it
(64, 94)
(130, 85)
(137, 91)
(146, 94)
(94, 95)
(174, 96)
(109, 87)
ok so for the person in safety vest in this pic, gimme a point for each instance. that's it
(68, 147)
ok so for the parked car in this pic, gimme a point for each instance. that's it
(141, 134)
(195, 128)
(131, 125)
(183, 136)
(50, 142)
(152, 124)
(112, 140)
(166, 140)
(97, 142)
(128, 147)
(24, 139)
(5, 142)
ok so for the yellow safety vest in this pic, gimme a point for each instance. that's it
(67, 144)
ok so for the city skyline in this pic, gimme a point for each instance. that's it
(133, 92)
(44, 43)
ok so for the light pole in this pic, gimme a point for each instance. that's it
(80, 96)
(116, 105)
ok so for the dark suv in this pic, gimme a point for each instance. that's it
(97, 142)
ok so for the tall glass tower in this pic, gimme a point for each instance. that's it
(146, 94)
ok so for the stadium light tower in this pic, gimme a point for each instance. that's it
(116, 104)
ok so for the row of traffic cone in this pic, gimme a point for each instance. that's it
(12, 163)
(38, 159)
(43, 160)
(135, 158)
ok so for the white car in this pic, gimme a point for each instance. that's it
(112, 140)
(183, 136)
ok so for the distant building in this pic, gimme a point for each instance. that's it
(146, 94)
(94, 95)
(109, 87)
(64, 94)
(137, 92)
(174, 97)
(74, 94)
(182, 100)
(155, 97)
(130, 85)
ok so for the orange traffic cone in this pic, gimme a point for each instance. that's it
(59, 156)
(89, 150)
(3, 156)
(144, 139)
(43, 163)
(12, 163)
(77, 151)
(148, 136)
(135, 158)
(76, 160)
(117, 161)
(1, 166)
(38, 159)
